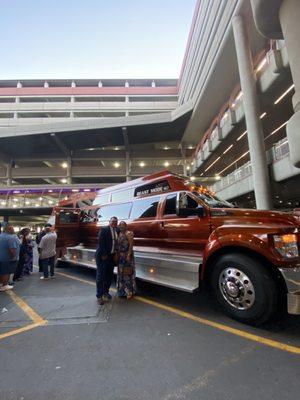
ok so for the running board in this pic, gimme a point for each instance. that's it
(170, 270)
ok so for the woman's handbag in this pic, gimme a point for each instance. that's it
(127, 269)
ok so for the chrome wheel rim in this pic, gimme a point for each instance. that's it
(236, 288)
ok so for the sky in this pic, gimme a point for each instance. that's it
(93, 38)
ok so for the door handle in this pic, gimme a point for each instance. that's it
(162, 224)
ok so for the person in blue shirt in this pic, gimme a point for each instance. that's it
(9, 255)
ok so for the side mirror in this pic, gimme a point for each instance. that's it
(186, 212)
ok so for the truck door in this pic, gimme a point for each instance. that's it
(183, 234)
(67, 226)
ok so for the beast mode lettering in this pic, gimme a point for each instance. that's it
(152, 189)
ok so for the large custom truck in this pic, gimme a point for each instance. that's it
(184, 236)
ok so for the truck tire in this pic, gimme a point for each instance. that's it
(244, 288)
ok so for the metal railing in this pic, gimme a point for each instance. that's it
(277, 152)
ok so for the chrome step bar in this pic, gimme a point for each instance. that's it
(170, 270)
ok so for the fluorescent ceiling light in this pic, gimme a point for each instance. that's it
(277, 129)
(242, 135)
(217, 159)
(261, 65)
(239, 96)
(284, 94)
(235, 161)
(228, 148)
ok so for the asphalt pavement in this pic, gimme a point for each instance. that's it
(57, 343)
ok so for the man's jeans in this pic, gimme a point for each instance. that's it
(105, 271)
(46, 263)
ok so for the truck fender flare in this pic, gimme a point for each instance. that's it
(217, 246)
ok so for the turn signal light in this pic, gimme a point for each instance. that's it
(286, 245)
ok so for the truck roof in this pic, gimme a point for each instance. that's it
(142, 181)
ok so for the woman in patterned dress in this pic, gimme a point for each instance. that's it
(126, 270)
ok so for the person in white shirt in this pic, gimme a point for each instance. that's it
(47, 250)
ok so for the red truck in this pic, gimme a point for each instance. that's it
(185, 236)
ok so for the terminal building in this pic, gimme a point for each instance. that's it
(230, 121)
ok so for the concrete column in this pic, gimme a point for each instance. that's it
(127, 167)
(69, 171)
(262, 188)
(184, 167)
(8, 175)
(289, 16)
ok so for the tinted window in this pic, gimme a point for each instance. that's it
(89, 215)
(121, 211)
(102, 199)
(145, 208)
(191, 202)
(122, 195)
(84, 203)
(186, 201)
(170, 206)
(68, 217)
(152, 188)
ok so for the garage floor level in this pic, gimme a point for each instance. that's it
(57, 343)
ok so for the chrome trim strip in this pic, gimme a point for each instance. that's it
(170, 270)
(292, 280)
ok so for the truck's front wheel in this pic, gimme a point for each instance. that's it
(244, 288)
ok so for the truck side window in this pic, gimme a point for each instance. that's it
(145, 208)
(121, 211)
(170, 206)
(191, 203)
(66, 217)
(186, 201)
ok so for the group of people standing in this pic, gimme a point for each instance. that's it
(115, 247)
(16, 254)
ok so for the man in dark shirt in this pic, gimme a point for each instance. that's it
(107, 248)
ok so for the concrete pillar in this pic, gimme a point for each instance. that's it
(289, 16)
(185, 167)
(127, 167)
(8, 175)
(69, 171)
(262, 188)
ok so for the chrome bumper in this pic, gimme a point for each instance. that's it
(292, 280)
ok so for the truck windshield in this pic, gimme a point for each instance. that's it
(212, 200)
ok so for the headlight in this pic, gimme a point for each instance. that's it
(286, 245)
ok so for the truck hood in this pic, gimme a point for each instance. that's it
(259, 220)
